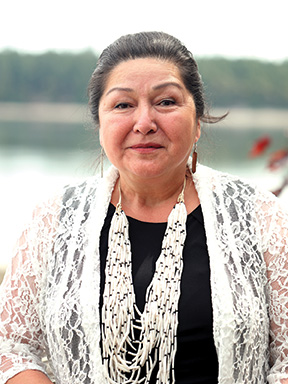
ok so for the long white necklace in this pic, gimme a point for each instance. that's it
(159, 321)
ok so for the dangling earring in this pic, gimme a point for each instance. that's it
(194, 158)
(101, 161)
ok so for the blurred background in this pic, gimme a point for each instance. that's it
(48, 53)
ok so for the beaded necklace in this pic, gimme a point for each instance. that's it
(159, 321)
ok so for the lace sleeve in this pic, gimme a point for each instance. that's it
(276, 257)
(22, 338)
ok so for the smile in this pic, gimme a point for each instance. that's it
(146, 148)
(147, 145)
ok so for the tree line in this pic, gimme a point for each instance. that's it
(63, 77)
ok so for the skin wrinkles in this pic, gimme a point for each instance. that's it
(164, 93)
(148, 126)
(160, 86)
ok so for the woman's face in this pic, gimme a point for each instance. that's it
(148, 121)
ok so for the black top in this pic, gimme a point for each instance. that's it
(196, 360)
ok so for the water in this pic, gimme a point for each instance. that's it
(29, 175)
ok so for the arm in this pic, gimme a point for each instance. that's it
(276, 257)
(22, 345)
(30, 377)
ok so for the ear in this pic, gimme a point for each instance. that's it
(100, 135)
(198, 130)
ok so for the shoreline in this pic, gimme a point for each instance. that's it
(72, 113)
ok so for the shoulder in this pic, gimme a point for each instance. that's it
(233, 185)
(79, 190)
(76, 197)
(220, 189)
(48, 210)
(90, 188)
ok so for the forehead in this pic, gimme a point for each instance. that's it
(143, 69)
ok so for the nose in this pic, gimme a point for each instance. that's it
(145, 120)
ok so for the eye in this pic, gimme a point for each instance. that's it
(122, 106)
(167, 102)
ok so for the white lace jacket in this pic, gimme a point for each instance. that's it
(49, 304)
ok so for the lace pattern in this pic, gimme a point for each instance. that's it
(49, 300)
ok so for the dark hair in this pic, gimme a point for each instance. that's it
(149, 44)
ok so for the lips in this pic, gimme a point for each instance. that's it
(146, 145)
(146, 148)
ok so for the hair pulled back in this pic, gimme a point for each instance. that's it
(146, 45)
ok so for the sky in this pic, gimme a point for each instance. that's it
(229, 28)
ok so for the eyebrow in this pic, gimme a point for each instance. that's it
(119, 89)
(156, 88)
(168, 84)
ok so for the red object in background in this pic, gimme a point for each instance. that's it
(279, 190)
(260, 146)
(278, 159)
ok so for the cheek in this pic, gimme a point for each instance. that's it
(115, 128)
(183, 130)
(111, 138)
(105, 130)
(187, 136)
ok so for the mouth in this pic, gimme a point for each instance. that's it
(147, 145)
(146, 148)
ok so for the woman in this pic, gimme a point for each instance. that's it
(116, 279)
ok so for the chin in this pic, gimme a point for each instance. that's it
(150, 169)
(148, 172)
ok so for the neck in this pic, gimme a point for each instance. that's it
(150, 199)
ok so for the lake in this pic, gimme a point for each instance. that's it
(38, 157)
